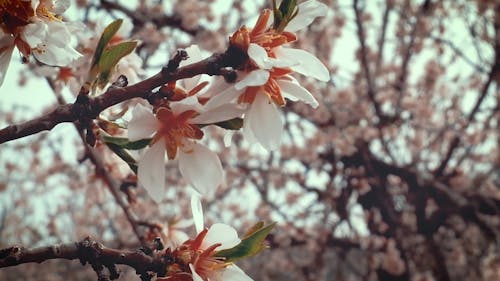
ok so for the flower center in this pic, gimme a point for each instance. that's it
(14, 14)
(175, 129)
(271, 88)
(261, 35)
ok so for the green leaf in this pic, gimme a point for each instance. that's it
(232, 124)
(284, 14)
(126, 143)
(106, 36)
(110, 58)
(124, 155)
(251, 244)
(287, 7)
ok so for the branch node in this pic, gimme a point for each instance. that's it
(173, 64)
(88, 250)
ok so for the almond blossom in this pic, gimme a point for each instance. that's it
(174, 130)
(35, 28)
(75, 74)
(200, 253)
(266, 81)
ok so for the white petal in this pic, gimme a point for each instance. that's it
(6, 48)
(189, 103)
(265, 122)
(34, 33)
(197, 211)
(297, 91)
(50, 42)
(308, 11)
(226, 96)
(56, 56)
(255, 78)
(57, 34)
(219, 114)
(258, 55)
(234, 273)
(202, 167)
(308, 65)
(221, 233)
(247, 131)
(151, 171)
(60, 6)
(195, 275)
(143, 123)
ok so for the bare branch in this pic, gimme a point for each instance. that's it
(87, 251)
(89, 108)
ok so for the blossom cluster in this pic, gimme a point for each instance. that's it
(261, 88)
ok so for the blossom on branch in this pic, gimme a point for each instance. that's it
(175, 130)
(265, 81)
(200, 253)
(76, 74)
(36, 28)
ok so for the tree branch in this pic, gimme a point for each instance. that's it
(87, 251)
(86, 108)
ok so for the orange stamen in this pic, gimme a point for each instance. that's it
(271, 88)
(175, 129)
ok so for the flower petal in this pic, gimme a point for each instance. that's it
(34, 33)
(201, 167)
(308, 11)
(6, 48)
(254, 78)
(219, 114)
(308, 65)
(189, 103)
(258, 55)
(50, 42)
(265, 122)
(234, 273)
(297, 91)
(143, 123)
(197, 211)
(226, 96)
(151, 171)
(60, 6)
(223, 234)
